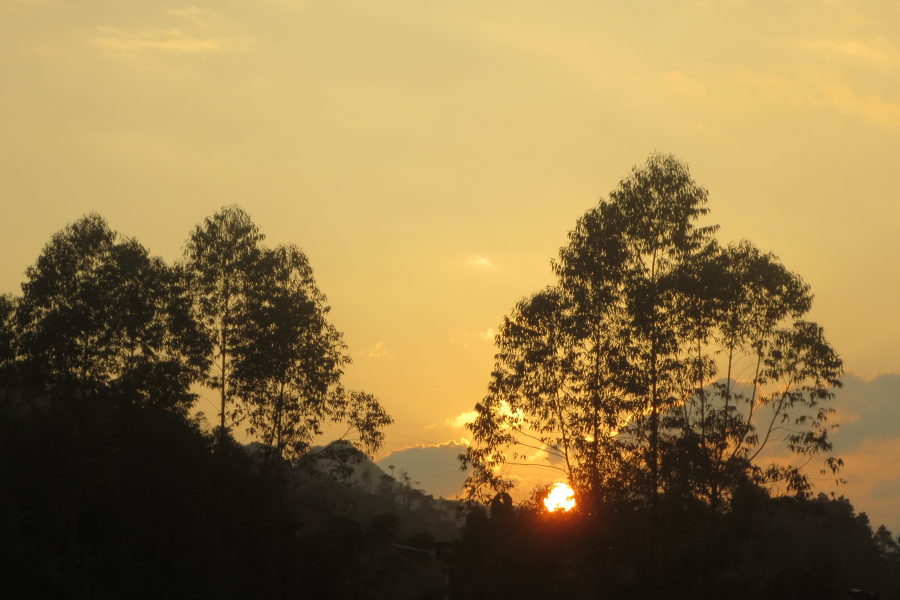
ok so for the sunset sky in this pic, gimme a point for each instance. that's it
(430, 157)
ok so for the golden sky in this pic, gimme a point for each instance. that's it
(430, 156)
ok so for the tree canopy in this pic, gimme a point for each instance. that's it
(99, 315)
(661, 361)
(98, 312)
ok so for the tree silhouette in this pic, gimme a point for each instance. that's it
(625, 372)
(220, 259)
(288, 361)
(98, 313)
(278, 361)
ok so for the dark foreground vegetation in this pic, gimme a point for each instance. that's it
(105, 499)
(652, 376)
(762, 548)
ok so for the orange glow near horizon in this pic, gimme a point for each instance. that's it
(561, 497)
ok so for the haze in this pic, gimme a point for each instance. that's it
(430, 157)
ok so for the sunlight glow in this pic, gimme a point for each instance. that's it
(561, 497)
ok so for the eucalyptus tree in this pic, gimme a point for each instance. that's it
(97, 312)
(289, 360)
(277, 360)
(220, 260)
(752, 370)
(623, 373)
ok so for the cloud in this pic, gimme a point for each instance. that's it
(379, 351)
(463, 419)
(850, 48)
(482, 336)
(481, 262)
(872, 107)
(868, 441)
(867, 409)
(192, 33)
(434, 466)
(746, 91)
(488, 334)
(190, 11)
(118, 41)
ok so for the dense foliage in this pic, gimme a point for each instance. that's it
(660, 361)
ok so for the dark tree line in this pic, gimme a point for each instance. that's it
(786, 547)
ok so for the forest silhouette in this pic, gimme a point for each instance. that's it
(671, 380)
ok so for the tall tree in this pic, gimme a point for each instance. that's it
(624, 372)
(278, 361)
(99, 313)
(221, 257)
(289, 360)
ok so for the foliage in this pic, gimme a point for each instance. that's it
(289, 360)
(107, 499)
(98, 313)
(659, 361)
(7, 340)
(220, 259)
(277, 360)
(786, 547)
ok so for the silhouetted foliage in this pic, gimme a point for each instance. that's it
(8, 341)
(288, 361)
(110, 491)
(220, 258)
(624, 372)
(97, 313)
(277, 360)
(771, 548)
(652, 374)
(108, 499)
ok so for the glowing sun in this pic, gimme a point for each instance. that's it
(561, 497)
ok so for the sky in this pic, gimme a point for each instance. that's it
(430, 158)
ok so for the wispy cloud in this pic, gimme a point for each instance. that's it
(747, 91)
(871, 107)
(123, 42)
(190, 30)
(464, 337)
(379, 351)
(480, 261)
(853, 48)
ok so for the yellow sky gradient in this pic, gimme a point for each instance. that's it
(430, 156)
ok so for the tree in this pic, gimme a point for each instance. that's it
(625, 371)
(278, 361)
(220, 258)
(288, 361)
(98, 313)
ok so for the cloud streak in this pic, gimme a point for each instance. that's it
(193, 34)
(175, 40)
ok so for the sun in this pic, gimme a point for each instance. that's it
(561, 497)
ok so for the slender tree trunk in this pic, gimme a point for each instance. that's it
(223, 390)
